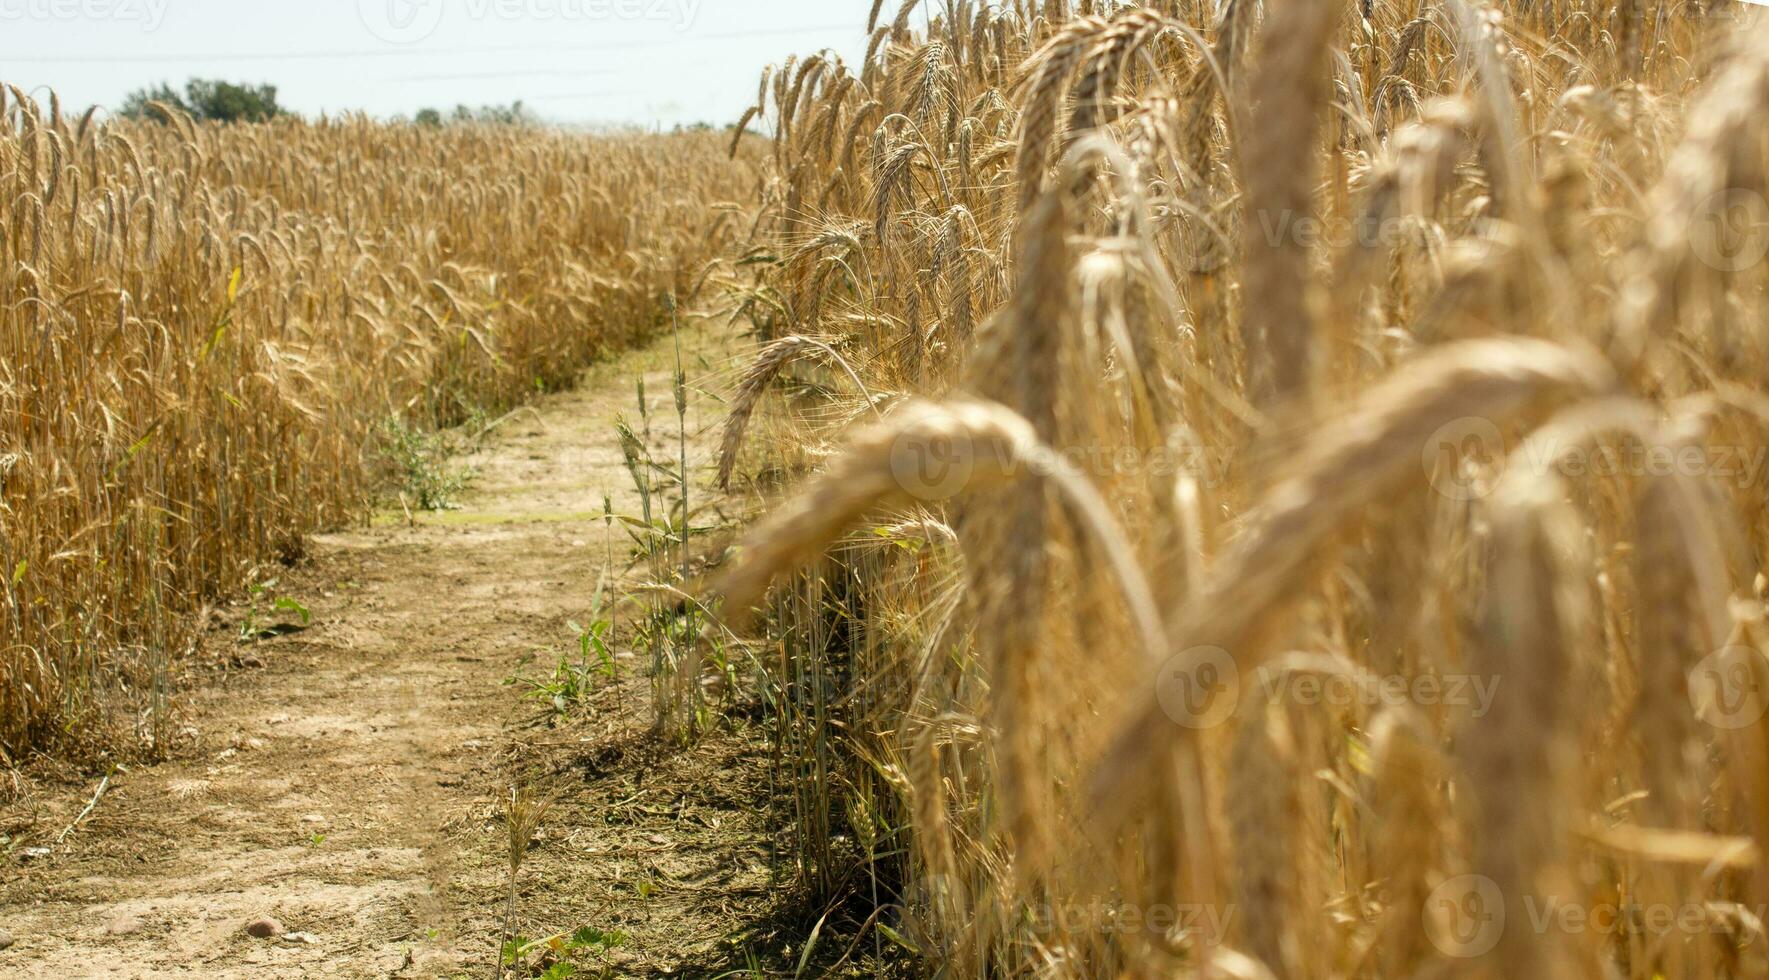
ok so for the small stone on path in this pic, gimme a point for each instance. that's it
(265, 928)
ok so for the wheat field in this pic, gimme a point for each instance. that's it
(205, 327)
(1271, 489)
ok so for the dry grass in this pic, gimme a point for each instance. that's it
(204, 326)
(1410, 350)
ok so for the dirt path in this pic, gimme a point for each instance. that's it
(349, 779)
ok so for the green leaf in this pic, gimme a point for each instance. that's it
(810, 946)
(602, 654)
(590, 937)
(233, 284)
(898, 938)
(290, 605)
(18, 574)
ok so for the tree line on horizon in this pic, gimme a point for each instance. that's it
(229, 102)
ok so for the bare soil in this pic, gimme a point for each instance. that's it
(350, 780)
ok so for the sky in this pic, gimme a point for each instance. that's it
(653, 63)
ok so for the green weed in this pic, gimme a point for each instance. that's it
(560, 956)
(264, 605)
(419, 461)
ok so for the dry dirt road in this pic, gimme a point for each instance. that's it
(349, 780)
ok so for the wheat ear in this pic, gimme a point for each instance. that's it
(1382, 440)
(1288, 92)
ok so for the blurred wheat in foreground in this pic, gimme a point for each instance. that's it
(1280, 486)
(204, 326)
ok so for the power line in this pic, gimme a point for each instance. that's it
(558, 96)
(411, 52)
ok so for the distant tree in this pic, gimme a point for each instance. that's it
(208, 99)
(136, 105)
(514, 114)
(227, 102)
